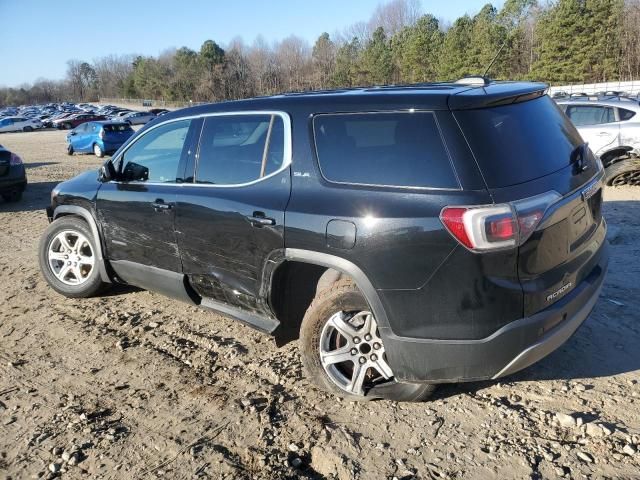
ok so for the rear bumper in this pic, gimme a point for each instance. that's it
(513, 347)
(14, 180)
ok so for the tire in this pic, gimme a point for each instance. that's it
(344, 296)
(87, 280)
(69, 150)
(67, 126)
(27, 129)
(623, 172)
(14, 196)
(97, 151)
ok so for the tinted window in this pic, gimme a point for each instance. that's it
(155, 156)
(234, 149)
(625, 114)
(116, 127)
(395, 149)
(582, 115)
(519, 142)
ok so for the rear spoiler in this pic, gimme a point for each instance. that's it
(496, 93)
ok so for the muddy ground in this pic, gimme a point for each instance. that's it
(133, 385)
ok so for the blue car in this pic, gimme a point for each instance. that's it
(98, 137)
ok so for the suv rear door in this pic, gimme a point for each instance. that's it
(527, 150)
(230, 211)
(597, 125)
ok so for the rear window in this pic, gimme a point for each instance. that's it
(519, 142)
(116, 128)
(402, 149)
(625, 114)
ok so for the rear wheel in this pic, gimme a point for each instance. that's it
(68, 259)
(27, 129)
(13, 196)
(67, 126)
(342, 350)
(98, 151)
(623, 172)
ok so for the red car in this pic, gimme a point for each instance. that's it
(74, 120)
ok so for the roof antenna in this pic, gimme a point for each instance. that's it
(494, 59)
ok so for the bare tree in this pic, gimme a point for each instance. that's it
(395, 15)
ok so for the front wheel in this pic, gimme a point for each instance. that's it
(68, 258)
(69, 150)
(342, 350)
(98, 151)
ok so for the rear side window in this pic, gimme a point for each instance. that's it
(625, 114)
(237, 149)
(116, 128)
(402, 149)
(519, 142)
(582, 115)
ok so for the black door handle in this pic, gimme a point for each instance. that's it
(258, 219)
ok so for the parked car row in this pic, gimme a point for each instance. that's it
(66, 116)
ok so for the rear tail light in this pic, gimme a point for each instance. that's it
(496, 227)
(101, 134)
(15, 160)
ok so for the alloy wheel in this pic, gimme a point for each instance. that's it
(352, 353)
(71, 257)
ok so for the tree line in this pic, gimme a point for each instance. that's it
(561, 41)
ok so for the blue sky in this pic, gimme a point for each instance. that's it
(39, 36)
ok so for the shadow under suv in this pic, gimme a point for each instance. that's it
(408, 236)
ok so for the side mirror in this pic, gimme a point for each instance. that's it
(107, 172)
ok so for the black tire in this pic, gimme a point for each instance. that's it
(623, 172)
(98, 151)
(345, 296)
(93, 283)
(69, 150)
(67, 126)
(14, 196)
(27, 129)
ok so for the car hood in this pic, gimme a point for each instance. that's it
(83, 187)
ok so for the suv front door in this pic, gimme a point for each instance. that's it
(136, 210)
(230, 214)
(597, 125)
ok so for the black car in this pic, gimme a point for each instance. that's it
(13, 178)
(407, 235)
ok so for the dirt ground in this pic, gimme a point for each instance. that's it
(133, 385)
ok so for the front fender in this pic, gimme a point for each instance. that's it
(63, 210)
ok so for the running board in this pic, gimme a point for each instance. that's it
(259, 322)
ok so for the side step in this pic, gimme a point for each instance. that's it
(259, 322)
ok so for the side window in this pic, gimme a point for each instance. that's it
(582, 115)
(237, 149)
(392, 149)
(155, 156)
(625, 114)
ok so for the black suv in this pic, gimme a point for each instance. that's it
(408, 236)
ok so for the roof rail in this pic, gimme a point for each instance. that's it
(475, 80)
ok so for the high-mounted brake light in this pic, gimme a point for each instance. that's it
(495, 227)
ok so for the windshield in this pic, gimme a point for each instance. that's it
(520, 142)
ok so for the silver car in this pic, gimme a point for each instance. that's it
(611, 126)
(137, 118)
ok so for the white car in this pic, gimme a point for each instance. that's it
(137, 118)
(611, 126)
(19, 124)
